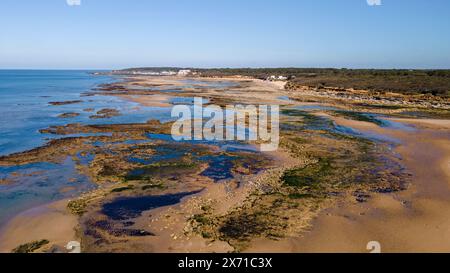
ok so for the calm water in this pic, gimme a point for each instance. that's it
(25, 109)
(24, 105)
(125, 208)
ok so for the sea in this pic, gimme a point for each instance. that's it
(25, 108)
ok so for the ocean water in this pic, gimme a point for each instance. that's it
(25, 109)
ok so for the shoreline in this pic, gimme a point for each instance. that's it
(413, 220)
(328, 222)
(51, 222)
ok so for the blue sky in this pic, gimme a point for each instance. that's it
(113, 34)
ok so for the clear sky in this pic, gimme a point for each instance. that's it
(114, 34)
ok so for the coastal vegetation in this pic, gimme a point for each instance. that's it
(405, 81)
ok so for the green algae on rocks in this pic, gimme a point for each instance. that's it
(30, 247)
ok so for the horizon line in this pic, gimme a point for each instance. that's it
(230, 67)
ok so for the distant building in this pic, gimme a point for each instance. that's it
(155, 72)
(277, 78)
(184, 72)
(168, 73)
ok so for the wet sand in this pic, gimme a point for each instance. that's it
(414, 220)
(148, 100)
(245, 90)
(50, 222)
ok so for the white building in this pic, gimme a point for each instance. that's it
(168, 73)
(184, 72)
(277, 78)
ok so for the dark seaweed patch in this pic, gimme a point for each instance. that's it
(366, 117)
(309, 121)
(244, 226)
(309, 176)
(30, 247)
(121, 189)
(159, 170)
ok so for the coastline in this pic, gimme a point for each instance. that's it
(343, 223)
(51, 222)
(414, 220)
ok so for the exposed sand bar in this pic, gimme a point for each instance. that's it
(428, 123)
(148, 100)
(51, 222)
(415, 220)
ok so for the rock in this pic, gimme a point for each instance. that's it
(64, 102)
(106, 113)
(68, 115)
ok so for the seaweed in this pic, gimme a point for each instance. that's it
(361, 117)
(158, 169)
(310, 176)
(309, 121)
(122, 189)
(30, 247)
(297, 195)
(77, 207)
(152, 186)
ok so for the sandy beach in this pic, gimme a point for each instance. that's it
(415, 220)
(411, 220)
(52, 222)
